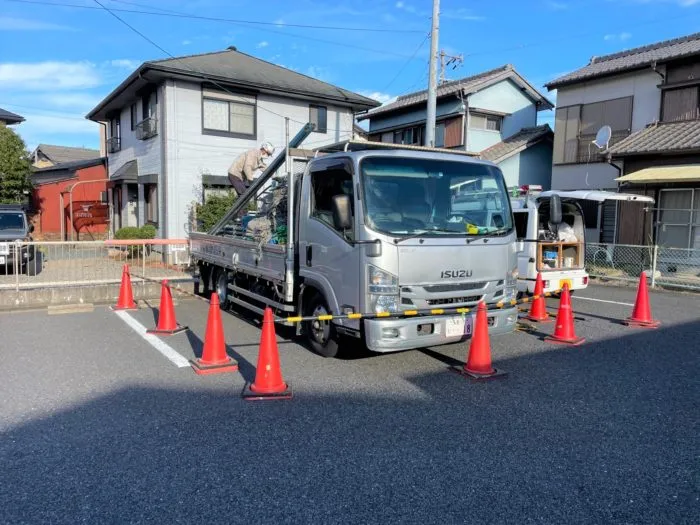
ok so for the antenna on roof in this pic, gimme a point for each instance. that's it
(602, 138)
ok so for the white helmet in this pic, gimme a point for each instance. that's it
(267, 147)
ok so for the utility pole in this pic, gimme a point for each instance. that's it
(432, 83)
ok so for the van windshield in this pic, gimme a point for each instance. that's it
(11, 221)
(408, 196)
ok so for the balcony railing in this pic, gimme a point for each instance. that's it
(114, 144)
(147, 128)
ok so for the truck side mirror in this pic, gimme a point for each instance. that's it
(342, 212)
(555, 214)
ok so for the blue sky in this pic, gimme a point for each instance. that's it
(57, 62)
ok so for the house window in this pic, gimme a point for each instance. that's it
(318, 116)
(134, 119)
(149, 105)
(576, 128)
(681, 104)
(150, 193)
(678, 223)
(440, 135)
(487, 122)
(228, 115)
(115, 134)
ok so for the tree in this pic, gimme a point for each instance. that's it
(212, 211)
(15, 168)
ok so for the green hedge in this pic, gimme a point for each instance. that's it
(148, 231)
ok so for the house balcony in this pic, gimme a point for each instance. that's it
(147, 128)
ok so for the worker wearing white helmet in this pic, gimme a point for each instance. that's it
(244, 167)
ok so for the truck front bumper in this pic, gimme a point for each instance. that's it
(393, 335)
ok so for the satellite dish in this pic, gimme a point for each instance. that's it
(602, 138)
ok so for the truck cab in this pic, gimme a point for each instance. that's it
(551, 235)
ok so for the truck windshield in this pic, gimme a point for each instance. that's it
(11, 221)
(408, 196)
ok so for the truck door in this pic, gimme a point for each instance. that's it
(327, 259)
(526, 232)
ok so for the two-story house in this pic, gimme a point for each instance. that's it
(47, 155)
(492, 115)
(175, 126)
(649, 97)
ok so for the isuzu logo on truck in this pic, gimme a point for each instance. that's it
(455, 274)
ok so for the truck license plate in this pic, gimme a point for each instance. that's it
(458, 326)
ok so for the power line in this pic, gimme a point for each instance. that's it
(175, 14)
(407, 62)
(191, 68)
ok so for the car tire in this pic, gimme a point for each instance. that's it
(320, 335)
(221, 288)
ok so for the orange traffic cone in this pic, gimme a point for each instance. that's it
(564, 331)
(478, 365)
(126, 296)
(538, 310)
(641, 314)
(268, 382)
(214, 358)
(167, 325)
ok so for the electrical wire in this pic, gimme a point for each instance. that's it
(410, 59)
(167, 12)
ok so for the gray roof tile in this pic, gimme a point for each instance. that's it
(662, 137)
(9, 117)
(467, 84)
(249, 70)
(525, 138)
(631, 59)
(61, 154)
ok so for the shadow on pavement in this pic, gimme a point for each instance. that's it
(601, 433)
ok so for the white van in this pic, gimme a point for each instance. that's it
(550, 232)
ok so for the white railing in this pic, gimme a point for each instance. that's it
(669, 267)
(29, 265)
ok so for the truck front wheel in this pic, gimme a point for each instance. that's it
(321, 335)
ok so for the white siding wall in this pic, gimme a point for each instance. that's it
(642, 85)
(147, 152)
(191, 154)
(505, 97)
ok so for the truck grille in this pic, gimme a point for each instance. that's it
(441, 288)
(454, 300)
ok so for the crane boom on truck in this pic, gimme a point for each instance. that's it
(367, 228)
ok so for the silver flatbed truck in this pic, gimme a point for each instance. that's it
(369, 229)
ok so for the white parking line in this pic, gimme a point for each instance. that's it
(165, 349)
(600, 300)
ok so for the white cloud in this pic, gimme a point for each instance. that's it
(619, 36)
(125, 63)
(262, 44)
(186, 42)
(399, 5)
(51, 74)
(318, 73)
(406, 7)
(557, 6)
(279, 22)
(8, 23)
(384, 98)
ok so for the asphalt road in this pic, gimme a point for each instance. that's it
(97, 426)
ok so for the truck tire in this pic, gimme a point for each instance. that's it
(221, 287)
(205, 280)
(321, 335)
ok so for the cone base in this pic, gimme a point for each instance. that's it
(123, 308)
(250, 395)
(575, 341)
(641, 324)
(202, 369)
(156, 331)
(497, 374)
(547, 319)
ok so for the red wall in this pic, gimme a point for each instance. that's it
(91, 217)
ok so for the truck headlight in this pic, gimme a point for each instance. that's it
(383, 289)
(511, 290)
(381, 282)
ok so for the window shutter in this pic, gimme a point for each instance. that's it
(453, 132)
(680, 104)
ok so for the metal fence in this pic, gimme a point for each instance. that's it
(669, 267)
(27, 265)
